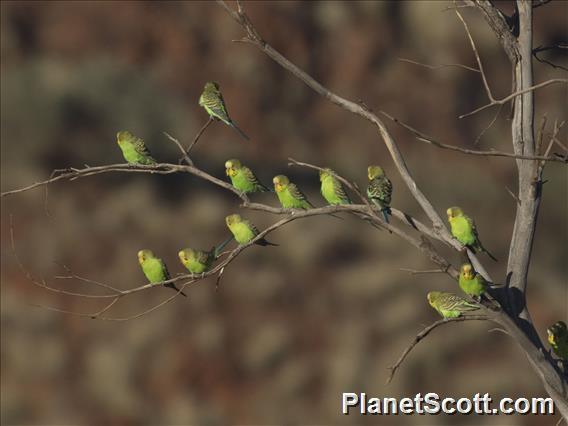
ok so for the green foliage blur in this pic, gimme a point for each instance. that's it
(293, 326)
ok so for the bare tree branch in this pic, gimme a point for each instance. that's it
(196, 139)
(255, 39)
(422, 334)
(422, 272)
(477, 58)
(490, 153)
(522, 93)
(515, 94)
(557, 46)
(437, 67)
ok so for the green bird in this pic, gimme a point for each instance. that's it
(379, 190)
(472, 283)
(332, 189)
(212, 100)
(243, 178)
(155, 269)
(558, 339)
(199, 261)
(134, 149)
(244, 231)
(464, 230)
(289, 195)
(449, 305)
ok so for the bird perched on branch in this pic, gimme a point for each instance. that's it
(332, 189)
(244, 231)
(289, 195)
(472, 283)
(464, 230)
(558, 339)
(199, 261)
(155, 269)
(449, 305)
(134, 149)
(212, 100)
(379, 190)
(242, 178)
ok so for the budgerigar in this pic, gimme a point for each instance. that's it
(379, 190)
(244, 231)
(155, 269)
(289, 195)
(212, 100)
(199, 261)
(558, 339)
(134, 149)
(449, 305)
(464, 230)
(332, 189)
(471, 282)
(243, 178)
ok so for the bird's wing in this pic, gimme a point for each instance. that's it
(216, 105)
(296, 193)
(141, 148)
(249, 176)
(339, 190)
(165, 270)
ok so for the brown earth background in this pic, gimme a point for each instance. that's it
(294, 326)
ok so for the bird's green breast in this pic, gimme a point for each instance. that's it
(196, 267)
(241, 182)
(328, 191)
(462, 230)
(242, 232)
(288, 200)
(154, 270)
(129, 152)
(473, 287)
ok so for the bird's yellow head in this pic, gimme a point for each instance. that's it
(555, 330)
(186, 255)
(280, 182)
(324, 174)
(432, 297)
(467, 271)
(143, 255)
(211, 86)
(375, 172)
(454, 212)
(233, 219)
(232, 166)
(123, 136)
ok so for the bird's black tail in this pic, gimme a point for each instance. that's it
(240, 132)
(263, 242)
(489, 254)
(173, 287)
(217, 250)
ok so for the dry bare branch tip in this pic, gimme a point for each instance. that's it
(425, 271)
(427, 330)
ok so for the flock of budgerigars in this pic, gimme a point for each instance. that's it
(379, 191)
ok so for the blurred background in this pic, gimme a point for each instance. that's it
(292, 327)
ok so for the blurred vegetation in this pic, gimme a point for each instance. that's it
(292, 327)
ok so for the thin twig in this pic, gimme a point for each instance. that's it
(178, 144)
(490, 153)
(437, 67)
(73, 173)
(491, 123)
(477, 58)
(196, 139)
(425, 333)
(425, 271)
(517, 93)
